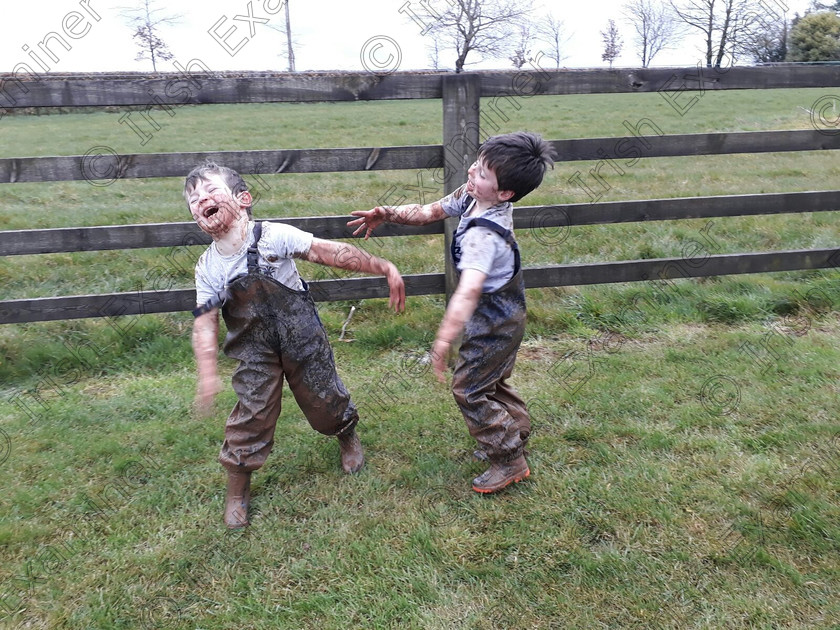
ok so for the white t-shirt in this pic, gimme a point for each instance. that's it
(278, 244)
(482, 248)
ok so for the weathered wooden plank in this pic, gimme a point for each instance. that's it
(374, 287)
(101, 238)
(192, 85)
(173, 235)
(119, 304)
(102, 166)
(116, 305)
(670, 268)
(645, 139)
(541, 220)
(673, 84)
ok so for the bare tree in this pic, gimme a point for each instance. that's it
(767, 44)
(612, 43)
(522, 50)
(479, 26)
(291, 52)
(725, 24)
(146, 22)
(434, 54)
(551, 31)
(286, 30)
(655, 25)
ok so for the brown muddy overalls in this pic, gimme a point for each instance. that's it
(495, 414)
(275, 331)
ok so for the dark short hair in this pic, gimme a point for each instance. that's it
(231, 178)
(519, 160)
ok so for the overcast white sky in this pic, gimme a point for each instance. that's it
(330, 35)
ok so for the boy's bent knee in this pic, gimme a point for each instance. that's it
(331, 423)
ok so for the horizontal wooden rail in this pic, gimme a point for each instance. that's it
(671, 268)
(102, 166)
(643, 141)
(145, 302)
(539, 219)
(194, 86)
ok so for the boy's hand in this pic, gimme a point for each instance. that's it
(440, 351)
(369, 220)
(396, 288)
(205, 395)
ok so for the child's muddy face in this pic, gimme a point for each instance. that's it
(213, 206)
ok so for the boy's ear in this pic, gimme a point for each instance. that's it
(505, 195)
(245, 199)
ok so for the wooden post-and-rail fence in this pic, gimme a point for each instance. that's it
(461, 96)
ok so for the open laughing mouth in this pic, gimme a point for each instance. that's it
(211, 211)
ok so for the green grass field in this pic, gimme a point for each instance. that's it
(685, 468)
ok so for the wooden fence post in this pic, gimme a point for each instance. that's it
(460, 146)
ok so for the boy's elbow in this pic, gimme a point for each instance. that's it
(321, 252)
(474, 294)
(470, 294)
(471, 284)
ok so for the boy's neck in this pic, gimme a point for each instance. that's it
(231, 241)
(479, 207)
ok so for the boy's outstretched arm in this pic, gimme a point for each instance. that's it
(205, 346)
(461, 307)
(411, 214)
(344, 256)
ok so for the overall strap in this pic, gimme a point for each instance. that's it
(253, 252)
(495, 227)
(222, 296)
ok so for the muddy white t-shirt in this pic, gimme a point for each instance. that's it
(278, 244)
(482, 248)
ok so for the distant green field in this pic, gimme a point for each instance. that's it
(685, 447)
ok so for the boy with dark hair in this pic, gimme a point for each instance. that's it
(273, 328)
(488, 305)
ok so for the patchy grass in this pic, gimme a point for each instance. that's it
(683, 478)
